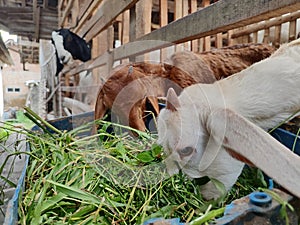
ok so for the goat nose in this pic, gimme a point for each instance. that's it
(63, 58)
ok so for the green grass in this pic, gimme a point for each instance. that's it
(121, 180)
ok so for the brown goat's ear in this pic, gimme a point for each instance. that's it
(172, 100)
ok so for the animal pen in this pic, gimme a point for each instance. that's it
(134, 31)
(145, 30)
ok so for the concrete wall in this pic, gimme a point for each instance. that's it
(14, 81)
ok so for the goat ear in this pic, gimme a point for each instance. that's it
(243, 138)
(154, 104)
(172, 100)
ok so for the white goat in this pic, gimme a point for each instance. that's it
(209, 126)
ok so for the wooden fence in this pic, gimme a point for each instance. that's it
(138, 30)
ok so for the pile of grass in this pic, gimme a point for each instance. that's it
(111, 179)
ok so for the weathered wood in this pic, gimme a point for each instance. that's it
(163, 21)
(143, 22)
(66, 12)
(22, 21)
(219, 17)
(74, 89)
(37, 15)
(76, 105)
(104, 17)
(222, 16)
(84, 13)
(195, 43)
(292, 30)
(163, 5)
(266, 24)
(125, 27)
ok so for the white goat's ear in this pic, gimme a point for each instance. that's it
(172, 100)
(245, 139)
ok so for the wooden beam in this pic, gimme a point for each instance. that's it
(37, 14)
(143, 22)
(105, 17)
(85, 13)
(221, 16)
(266, 24)
(66, 12)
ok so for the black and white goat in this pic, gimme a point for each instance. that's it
(68, 46)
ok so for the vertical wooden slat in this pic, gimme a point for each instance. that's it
(163, 21)
(178, 5)
(277, 36)
(132, 25)
(219, 40)
(75, 12)
(163, 12)
(125, 29)
(255, 37)
(143, 22)
(292, 30)
(195, 43)
(185, 12)
(229, 39)
(266, 35)
(207, 41)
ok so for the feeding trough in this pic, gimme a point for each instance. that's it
(239, 210)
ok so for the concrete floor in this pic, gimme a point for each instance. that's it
(12, 169)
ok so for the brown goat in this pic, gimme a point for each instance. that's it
(230, 60)
(131, 87)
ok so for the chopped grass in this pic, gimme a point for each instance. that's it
(113, 180)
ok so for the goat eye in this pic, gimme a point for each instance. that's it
(186, 151)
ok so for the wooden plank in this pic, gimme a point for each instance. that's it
(266, 24)
(75, 12)
(195, 43)
(178, 9)
(277, 36)
(36, 19)
(163, 21)
(104, 17)
(66, 12)
(86, 13)
(163, 6)
(74, 89)
(84, 6)
(219, 40)
(221, 16)
(292, 30)
(125, 27)
(143, 17)
(143, 22)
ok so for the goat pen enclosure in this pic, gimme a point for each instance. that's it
(151, 30)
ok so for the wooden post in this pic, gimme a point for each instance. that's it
(143, 22)
(195, 43)
(277, 36)
(219, 40)
(207, 41)
(178, 13)
(292, 30)
(163, 13)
